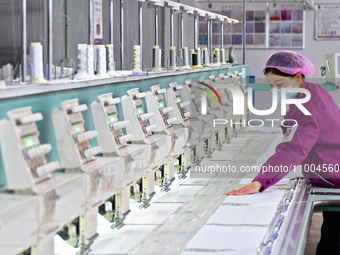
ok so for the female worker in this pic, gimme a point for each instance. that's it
(314, 143)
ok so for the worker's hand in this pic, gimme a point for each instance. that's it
(254, 187)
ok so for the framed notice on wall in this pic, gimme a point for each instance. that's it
(286, 25)
(276, 25)
(232, 35)
(327, 21)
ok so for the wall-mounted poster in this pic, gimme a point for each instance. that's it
(233, 33)
(279, 25)
(98, 21)
(327, 21)
(286, 25)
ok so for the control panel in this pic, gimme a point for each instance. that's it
(174, 100)
(113, 141)
(189, 93)
(134, 111)
(228, 101)
(23, 156)
(237, 79)
(73, 141)
(110, 137)
(155, 102)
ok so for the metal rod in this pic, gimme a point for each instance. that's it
(24, 40)
(111, 21)
(182, 30)
(195, 31)
(171, 27)
(222, 34)
(122, 34)
(91, 22)
(244, 33)
(140, 17)
(140, 29)
(208, 35)
(156, 25)
(49, 39)
(66, 24)
(210, 38)
(304, 25)
(267, 25)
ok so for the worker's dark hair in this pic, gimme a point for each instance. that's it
(278, 72)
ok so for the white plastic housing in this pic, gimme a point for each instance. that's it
(175, 100)
(74, 148)
(188, 94)
(23, 156)
(106, 122)
(155, 102)
(134, 112)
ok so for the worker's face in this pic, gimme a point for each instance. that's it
(277, 81)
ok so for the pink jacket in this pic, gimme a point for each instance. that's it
(314, 143)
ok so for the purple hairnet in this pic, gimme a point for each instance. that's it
(290, 62)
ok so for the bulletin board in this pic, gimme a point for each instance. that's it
(286, 25)
(232, 33)
(327, 21)
(276, 25)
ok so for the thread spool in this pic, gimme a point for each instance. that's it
(206, 60)
(82, 63)
(185, 52)
(136, 58)
(90, 61)
(217, 56)
(154, 56)
(101, 62)
(6, 73)
(173, 58)
(194, 59)
(37, 64)
(156, 59)
(159, 59)
(110, 61)
(2, 84)
(199, 57)
(223, 62)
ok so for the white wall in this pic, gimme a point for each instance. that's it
(79, 22)
(10, 27)
(78, 33)
(315, 50)
(78, 30)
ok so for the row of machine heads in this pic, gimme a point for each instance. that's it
(171, 134)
